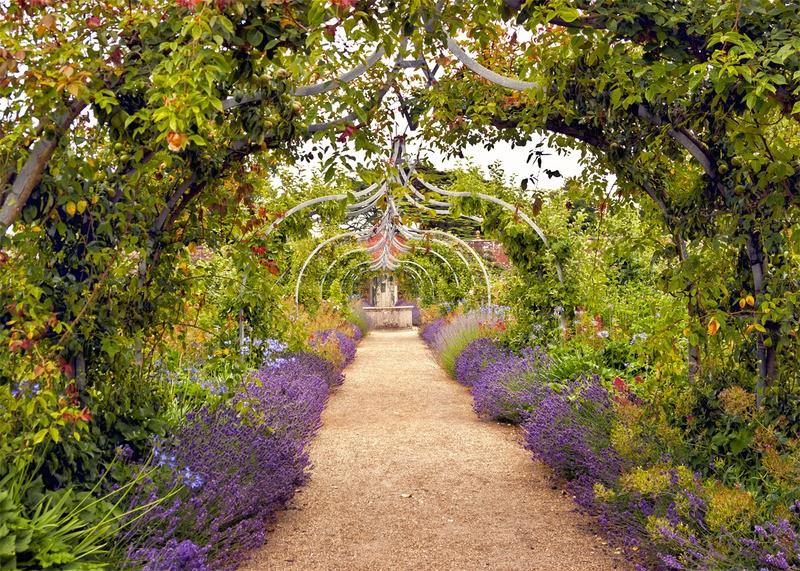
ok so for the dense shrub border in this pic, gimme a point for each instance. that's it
(231, 466)
(622, 464)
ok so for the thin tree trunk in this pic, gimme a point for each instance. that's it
(31, 173)
(767, 358)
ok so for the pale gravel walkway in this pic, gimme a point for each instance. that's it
(407, 478)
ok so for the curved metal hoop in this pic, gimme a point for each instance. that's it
(447, 263)
(308, 260)
(500, 202)
(333, 263)
(486, 73)
(471, 250)
(401, 262)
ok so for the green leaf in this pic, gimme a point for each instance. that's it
(569, 14)
(255, 37)
(40, 436)
(741, 440)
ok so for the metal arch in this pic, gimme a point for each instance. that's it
(301, 206)
(414, 272)
(347, 273)
(406, 262)
(460, 257)
(475, 255)
(447, 263)
(410, 263)
(486, 73)
(308, 260)
(318, 88)
(347, 77)
(504, 204)
(321, 199)
(333, 263)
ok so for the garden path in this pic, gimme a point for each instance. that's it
(407, 477)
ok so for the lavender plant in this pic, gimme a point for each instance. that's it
(476, 356)
(430, 331)
(454, 336)
(570, 431)
(234, 466)
(510, 388)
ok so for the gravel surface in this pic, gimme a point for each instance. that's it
(406, 477)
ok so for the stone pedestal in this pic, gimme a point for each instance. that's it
(390, 317)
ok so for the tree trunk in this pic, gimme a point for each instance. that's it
(767, 358)
(29, 176)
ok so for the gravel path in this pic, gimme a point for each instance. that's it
(407, 478)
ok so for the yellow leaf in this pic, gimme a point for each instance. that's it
(70, 208)
(39, 436)
(81, 206)
(742, 303)
(175, 141)
(74, 89)
(713, 326)
(54, 434)
(749, 329)
(750, 300)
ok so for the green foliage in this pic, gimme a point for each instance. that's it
(63, 530)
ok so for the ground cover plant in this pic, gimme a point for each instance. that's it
(627, 460)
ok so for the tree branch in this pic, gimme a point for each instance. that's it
(31, 172)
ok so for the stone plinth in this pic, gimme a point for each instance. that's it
(398, 317)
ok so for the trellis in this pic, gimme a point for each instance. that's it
(390, 229)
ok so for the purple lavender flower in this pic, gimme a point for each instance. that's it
(475, 357)
(570, 432)
(430, 331)
(238, 462)
(511, 387)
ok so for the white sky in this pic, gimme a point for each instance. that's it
(513, 162)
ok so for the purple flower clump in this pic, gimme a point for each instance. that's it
(511, 387)
(570, 432)
(358, 335)
(476, 356)
(347, 347)
(238, 462)
(430, 331)
(177, 556)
